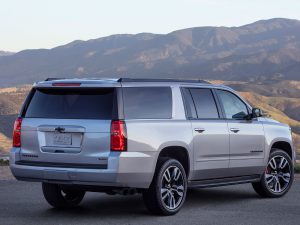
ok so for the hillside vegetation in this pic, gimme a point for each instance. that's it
(5, 144)
(279, 99)
(11, 100)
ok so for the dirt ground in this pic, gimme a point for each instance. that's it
(5, 173)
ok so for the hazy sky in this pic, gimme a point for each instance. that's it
(48, 23)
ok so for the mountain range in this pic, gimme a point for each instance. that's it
(4, 53)
(264, 50)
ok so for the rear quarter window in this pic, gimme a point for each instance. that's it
(147, 102)
(72, 104)
(205, 103)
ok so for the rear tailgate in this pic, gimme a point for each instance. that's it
(68, 127)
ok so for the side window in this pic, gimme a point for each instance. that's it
(189, 104)
(205, 104)
(147, 102)
(234, 107)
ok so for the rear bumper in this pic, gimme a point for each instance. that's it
(126, 169)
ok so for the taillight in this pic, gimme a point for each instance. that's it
(17, 133)
(118, 136)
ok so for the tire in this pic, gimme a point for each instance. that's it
(170, 201)
(276, 181)
(59, 197)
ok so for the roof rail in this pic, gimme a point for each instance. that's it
(160, 80)
(50, 79)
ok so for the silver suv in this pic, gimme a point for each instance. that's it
(154, 137)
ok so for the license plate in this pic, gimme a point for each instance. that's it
(62, 139)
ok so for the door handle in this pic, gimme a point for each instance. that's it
(235, 130)
(199, 130)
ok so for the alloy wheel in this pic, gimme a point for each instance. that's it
(278, 174)
(172, 187)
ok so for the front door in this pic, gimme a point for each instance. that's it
(247, 141)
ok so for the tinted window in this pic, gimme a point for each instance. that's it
(233, 106)
(189, 104)
(71, 104)
(147, 102)
(205, 103)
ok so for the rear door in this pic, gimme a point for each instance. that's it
(247, 139)
(211, 137)
(68, 126)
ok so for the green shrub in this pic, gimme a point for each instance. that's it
(4, 162)
(297, 168)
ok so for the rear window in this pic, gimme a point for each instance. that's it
(147, 102)
(72, 104)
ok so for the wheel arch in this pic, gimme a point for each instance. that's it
(179, 153)
(284, 146)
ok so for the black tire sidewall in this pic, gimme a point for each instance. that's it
(53, 195)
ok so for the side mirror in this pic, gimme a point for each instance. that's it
(256, 112)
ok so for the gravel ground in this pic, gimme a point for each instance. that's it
(5, 173)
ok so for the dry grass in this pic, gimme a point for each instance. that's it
(5, 144)
(296, 138)
(10, 102)
(8, 90)
(15, 89)
(270, 106)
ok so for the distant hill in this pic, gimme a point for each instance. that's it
(264, 50)
(3, 53)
